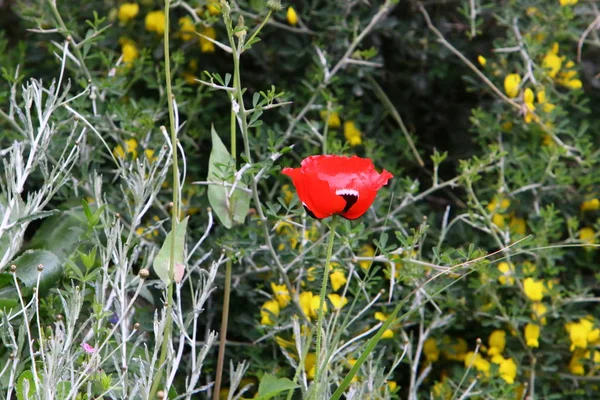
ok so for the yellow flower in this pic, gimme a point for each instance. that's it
(128, 11)
(309, 365)
(312, 274)
(528, 99)
(552, 63)
(155, 22)
(186, 28)
(511, 85)
(338, 279)
(334, 119)
(130, 148)
(539, 312)
(534, 290)
(532, 335)
(575, 365)
(213, 8)
(314, 306)
(508, 370)
(292, 17)
(392, 385)
(580, 332)
(507, 270)
(518, 225)
(206, 46)
(431, 350)
(481, 60)
(481, 364)
(590, 205)
(387, 334)
(269, 308)
(541, 98)
(379, 316)
(129, 51)
(454, 349)
(497, 342)
(587, 235)
(149, 153)
(528, 267)
(366, 250)
(567, 2)
(337, 301)
(352, 133)
(282, 295)
(305, 300)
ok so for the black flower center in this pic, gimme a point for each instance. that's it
(350, 196)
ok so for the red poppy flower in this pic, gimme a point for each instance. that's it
(331, 184)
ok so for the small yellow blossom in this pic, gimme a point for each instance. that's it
(481, 60)
(552, 63)
(431, 350)
(539, 311)
(338, 279)
(567, 2)
(368, 251)
(333, 121)
(130, 148)
(312, 274)
(528, 99)
(587, 235)
(309, 365)
(532, 335)
(314, 306)
(507, 270)
(292, 16)
(352, 133)
(480, 363)
(128, 11)
(496, 342)
(392, 385)
(517, 225)
(337, 301)
(387, 334)
(575, 365)
(206, 46)
(186, 28)
(379, 316)
(129, 51)
(213, 7)
(305, 300)
(269, 308)
(454, 349)
(508, 370)
(149, 153)
(511, 85)
(590, 205)
(155, 22)
(282, 295)
(581, 332)
(541, 98)
(534, 290)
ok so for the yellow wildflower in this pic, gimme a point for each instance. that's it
(282, 295)
(314, 306)
(508, 370)
(128, 11)
(368, 251)
(580, 332)
(129, 51)
(333, 121)
(352, 133)
(481, 60)
(431, 350)
(539, 312)
(130, 148)
(507, 270)
(392, 385)
(567, 2)
(534, 290)
(309, 365)
(532, 335)
(305, 300)
(387, 334)
(511, 85)
(206, 46)
(213, 7)
(379, 316)
(575, 365)
(337, 301)
(454, 349)
(481, 364)
(155, 22)
(149, 153)
(496, 342)
(541, 98)
(587, 235)
(292, 16)
(312, 273)
(269, 308)
(590, 205)
(186, 28)
(552, 63)
(338, 279)
(517, 225)
(528, 99)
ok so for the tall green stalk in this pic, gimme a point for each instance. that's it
(156, 380)
(223, 333)
(322, 299)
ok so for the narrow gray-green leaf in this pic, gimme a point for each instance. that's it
(163, 258)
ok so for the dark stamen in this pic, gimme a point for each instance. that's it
(350, 201)
(310, 213)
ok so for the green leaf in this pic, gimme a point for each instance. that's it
(63, 389)
(270, 386)
(25, 382)
(162, 259)
(27, 269)
(220, 163)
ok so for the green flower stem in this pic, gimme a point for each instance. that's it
(223, 334)
(156, 380)
(322, 296)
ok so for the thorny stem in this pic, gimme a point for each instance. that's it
(322, 299)
(223, 334)
(156, 380)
